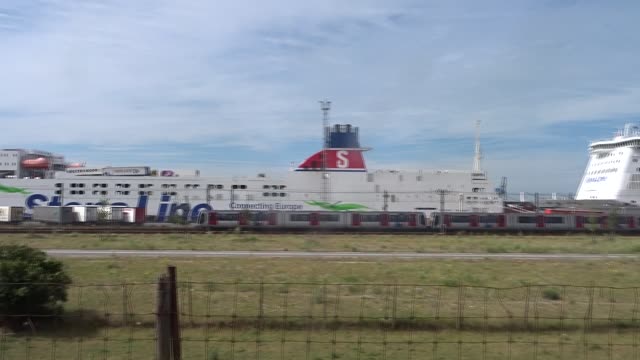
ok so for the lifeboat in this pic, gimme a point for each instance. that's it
(37, 163)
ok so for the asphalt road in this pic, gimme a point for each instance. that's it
(329, 255)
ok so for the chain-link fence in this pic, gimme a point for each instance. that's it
(267, 320)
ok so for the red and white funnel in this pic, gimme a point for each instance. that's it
(343, 152)
(336, 160)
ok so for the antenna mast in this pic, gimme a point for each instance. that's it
(477, 168)
(325, 106)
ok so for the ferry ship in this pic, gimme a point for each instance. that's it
(613, 170)
(333, 179)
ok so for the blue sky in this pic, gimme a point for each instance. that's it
(232, 87)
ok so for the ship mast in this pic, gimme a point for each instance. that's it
(477, 166)
(325, 106)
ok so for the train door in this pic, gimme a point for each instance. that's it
(579, 222)
(412, 220)
(272, 218)
(314, 219)
(384, 219)
(630, 222)
(501, 221)
(213, 218)
(447, 220)
(355, 219)
(243, 218)
(473, 220)
(540, 221)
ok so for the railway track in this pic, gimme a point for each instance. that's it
(137, 229)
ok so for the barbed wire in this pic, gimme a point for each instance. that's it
(346, 320)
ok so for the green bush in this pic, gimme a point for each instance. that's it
(551, 294)
(30, 284)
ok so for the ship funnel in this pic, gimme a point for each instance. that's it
(343, 137)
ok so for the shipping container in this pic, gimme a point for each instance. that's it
(85, 214)
(11, 214)
(53, 214)
(129, 215)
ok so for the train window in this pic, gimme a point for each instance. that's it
(623, 220)
(274, 194)
(553, 220)
(257, 216)
(265, 186)
(283, 194)
(490, 219)
(299, 217)
(227, 217)
(243, 186)
(234, 186)
(141, 186)
(464, 219)
(398, 218)
(369, 218)
(282, 187)
(526, 219)
(265, 194)
(329, 217)
(220, 186)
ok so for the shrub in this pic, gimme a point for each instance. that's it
(551, 294)
(30, 284)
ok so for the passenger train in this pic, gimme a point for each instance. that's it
(416, 221)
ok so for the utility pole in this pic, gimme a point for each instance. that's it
(442, 193)
(385, 196)
(325, 106)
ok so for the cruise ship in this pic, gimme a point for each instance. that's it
(613, 171)
(333, 179)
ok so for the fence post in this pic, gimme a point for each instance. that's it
(163, 321)
(175, 319)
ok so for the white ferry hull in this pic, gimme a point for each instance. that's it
(355, 191)
(613, 171)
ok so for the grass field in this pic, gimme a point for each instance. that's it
(598, 243)
(367, 298)
(350, 320)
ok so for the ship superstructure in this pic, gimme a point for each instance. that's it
(335, 178)
(613, 171)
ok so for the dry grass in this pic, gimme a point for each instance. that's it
(326, 242)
